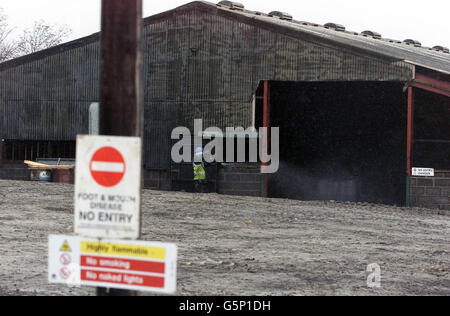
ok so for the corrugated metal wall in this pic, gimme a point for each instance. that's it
(197, 65)
(49, 98)
(208, 66)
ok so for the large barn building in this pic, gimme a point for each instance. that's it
(356, 111)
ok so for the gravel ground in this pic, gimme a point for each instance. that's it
(243, 246)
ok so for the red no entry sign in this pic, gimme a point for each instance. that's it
(107, 167)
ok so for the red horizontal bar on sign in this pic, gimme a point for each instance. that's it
(122, 278)
(122, 264)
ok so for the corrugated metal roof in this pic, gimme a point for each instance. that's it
(392, 49)
(419, 56)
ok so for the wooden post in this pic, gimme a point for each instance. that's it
(121, 90)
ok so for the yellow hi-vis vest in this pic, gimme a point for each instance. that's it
(199, 172)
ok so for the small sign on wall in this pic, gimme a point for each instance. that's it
(423, 172)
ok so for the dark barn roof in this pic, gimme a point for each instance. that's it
(368, 42)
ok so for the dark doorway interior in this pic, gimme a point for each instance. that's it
(343, 141)
(431, 142)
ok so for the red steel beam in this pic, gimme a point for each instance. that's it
(430, 89)
(410, 130)
(443, 85)
(432, 85)
(266, 124)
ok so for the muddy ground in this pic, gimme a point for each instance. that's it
(243, 246)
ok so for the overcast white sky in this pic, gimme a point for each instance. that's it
(425, 20)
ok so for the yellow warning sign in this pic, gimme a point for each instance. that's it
(102, 248)
(65, 247)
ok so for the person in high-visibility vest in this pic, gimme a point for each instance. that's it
(199, 172)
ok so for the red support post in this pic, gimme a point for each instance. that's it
(266, 124)
(410, 130)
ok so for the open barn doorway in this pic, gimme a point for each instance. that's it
(342, 141)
